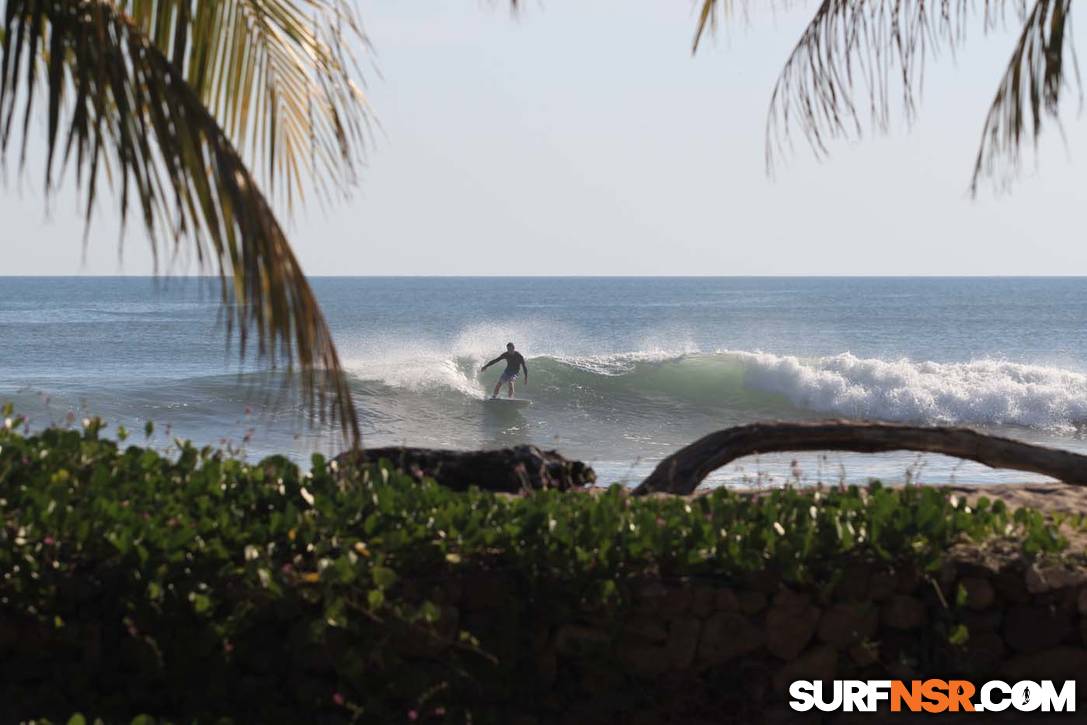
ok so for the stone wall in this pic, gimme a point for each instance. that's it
(703, 651)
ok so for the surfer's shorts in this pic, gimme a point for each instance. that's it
(508, 377)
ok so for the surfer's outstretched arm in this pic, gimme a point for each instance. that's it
(524, 366)
(492, 362)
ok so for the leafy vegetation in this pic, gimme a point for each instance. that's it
(200, 586)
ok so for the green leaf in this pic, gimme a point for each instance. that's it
(201, 602)
(960, 596)
(430, 612)
(383, 576)
(959, 635)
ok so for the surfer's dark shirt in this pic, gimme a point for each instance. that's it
(514, 361)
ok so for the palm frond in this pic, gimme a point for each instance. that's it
(709, 12)
(707, 20)
(121, 111)
(880, 46)
(279, 75)
(859, 61)
(1029, 92)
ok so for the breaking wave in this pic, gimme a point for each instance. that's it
(756, 384)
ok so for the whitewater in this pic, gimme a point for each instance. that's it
(623, 371)
(979, 393)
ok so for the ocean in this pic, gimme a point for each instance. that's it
(622, 370)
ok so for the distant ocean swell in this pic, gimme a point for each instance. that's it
(755, 384)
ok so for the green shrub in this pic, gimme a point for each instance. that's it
(198, 586)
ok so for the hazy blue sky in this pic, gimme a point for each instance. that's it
(583, 138)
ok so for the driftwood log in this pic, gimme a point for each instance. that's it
(681, 472)
(509, 470)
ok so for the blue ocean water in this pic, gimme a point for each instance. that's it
(622, 370)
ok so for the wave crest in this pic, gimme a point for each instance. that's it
(743, 385)
(979, 392)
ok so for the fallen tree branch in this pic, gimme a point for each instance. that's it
(509, 470)
(682, 471)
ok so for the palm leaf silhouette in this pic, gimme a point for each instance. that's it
(1029, 92)
(121, 111)
(858, 61)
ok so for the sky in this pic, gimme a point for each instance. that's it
(582, 138)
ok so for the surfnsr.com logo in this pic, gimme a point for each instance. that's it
(933, 696)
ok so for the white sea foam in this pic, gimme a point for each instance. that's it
(419, 370)
(978, 392)
(983, 392)
(420, 366)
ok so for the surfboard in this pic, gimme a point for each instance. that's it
(508, 402)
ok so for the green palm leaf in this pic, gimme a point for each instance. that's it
(121, 109)
(279, 75)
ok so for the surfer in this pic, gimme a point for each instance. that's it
(514, 362)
